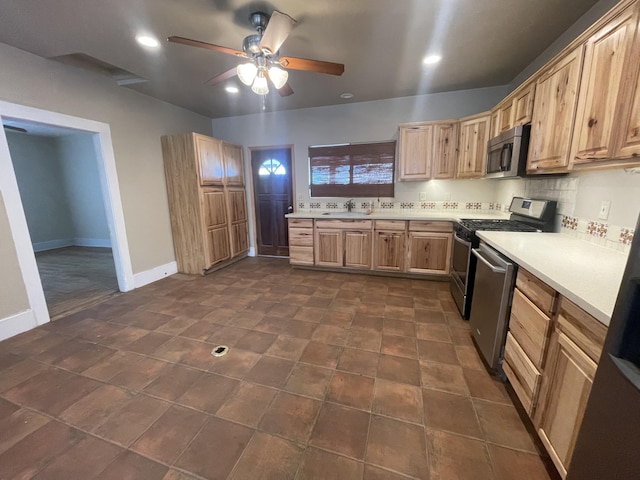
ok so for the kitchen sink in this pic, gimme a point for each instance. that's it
(346, 214)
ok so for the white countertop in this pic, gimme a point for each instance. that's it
(452, 216)
(587, 274)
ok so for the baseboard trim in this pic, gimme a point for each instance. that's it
(71, 242)
(252, 252)
(52, 244)
(18, 323)
(92, 242)
(153, 275)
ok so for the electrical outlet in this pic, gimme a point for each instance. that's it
(604, 209)
(423, 196)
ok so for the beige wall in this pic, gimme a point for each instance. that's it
(13, 296)
(136, 123)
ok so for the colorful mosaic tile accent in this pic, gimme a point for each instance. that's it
(473, 206)
(332, 205)
(386, 205)
(626, 236)
(314, 205)
(597, 229)
(570, 223)
(450, 205)
(406, 205)
(428, 205)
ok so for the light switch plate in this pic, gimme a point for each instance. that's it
(423, 196)
(604, 209)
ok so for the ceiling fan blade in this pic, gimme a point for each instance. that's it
(277, 31)
(285, 91)
(232, 72)
(208, 46)
(312, 65)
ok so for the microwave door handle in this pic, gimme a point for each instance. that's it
(505, 156)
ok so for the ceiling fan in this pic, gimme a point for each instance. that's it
(262, 52)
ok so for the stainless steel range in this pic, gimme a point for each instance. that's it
(527, 215)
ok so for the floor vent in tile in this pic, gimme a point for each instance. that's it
(220, 351)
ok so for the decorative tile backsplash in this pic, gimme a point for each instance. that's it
(610, 236)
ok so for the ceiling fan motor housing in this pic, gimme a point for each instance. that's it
(259, 21)
(251, 44)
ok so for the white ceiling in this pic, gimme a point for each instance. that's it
(380, 42)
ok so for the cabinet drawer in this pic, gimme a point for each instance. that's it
(301, 255)
(522, 373)
(345, 224)
(423, 226)
(301, 237)
(529, 326)
(542, 295)
(391, 225)
(301, 222)
(587, 332)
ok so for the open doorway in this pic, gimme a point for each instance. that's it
(37, 312)
(57, 174)
(272, 175)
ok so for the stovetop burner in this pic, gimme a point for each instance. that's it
(497, 225)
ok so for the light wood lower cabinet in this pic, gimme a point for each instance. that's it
(301, 241)
(429, 252)
(357, 249)
(570, 374)
(416, 246)
(550, 363)
(328, 248)
(218, 249)
(388, 250)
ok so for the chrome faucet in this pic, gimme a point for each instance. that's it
(350, 205)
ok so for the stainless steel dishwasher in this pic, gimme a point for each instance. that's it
(491, 304)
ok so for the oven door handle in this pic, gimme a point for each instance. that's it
(493, 268)
(459, 240)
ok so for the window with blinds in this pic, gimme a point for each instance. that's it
(353, 170)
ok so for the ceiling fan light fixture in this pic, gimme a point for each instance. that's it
(260, 85)
(278, 76)
(247, 73)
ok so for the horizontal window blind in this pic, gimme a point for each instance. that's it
(354, 170)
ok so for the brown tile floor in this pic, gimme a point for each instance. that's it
(329, 375)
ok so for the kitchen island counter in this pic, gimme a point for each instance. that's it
(587, 274)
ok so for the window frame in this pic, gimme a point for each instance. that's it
(351, 154)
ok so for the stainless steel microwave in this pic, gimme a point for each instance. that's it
(507, 153)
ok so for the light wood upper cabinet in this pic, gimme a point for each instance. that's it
(233, 164)
(556, 97)
(445, 150)
(415, 152)
(209, 154)
(606, 55)
(472, 154)
(523, 102)
(516, 109)
(427, 150)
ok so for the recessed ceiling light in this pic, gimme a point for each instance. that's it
(346, 95)
(431, 59)
(232, 89)
(147, 41)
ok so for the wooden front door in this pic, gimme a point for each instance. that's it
(273, 196)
